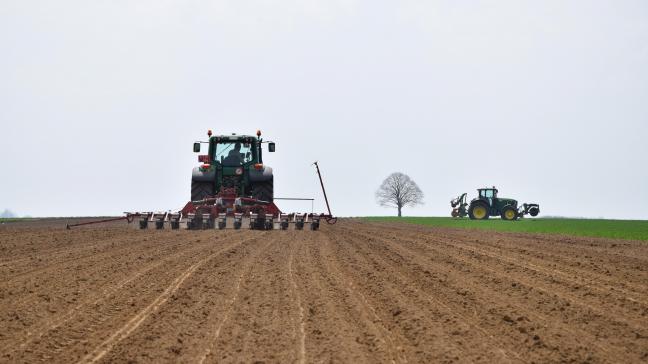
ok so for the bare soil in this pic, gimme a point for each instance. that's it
(354, 292)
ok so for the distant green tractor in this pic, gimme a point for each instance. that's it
(488, 204)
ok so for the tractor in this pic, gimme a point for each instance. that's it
(233, 162)
(488, 204)
(231, 184)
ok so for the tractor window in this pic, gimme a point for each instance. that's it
(233, 154)
(487, 193)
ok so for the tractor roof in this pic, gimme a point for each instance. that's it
(233, 137)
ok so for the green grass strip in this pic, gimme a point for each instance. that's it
(616, 229)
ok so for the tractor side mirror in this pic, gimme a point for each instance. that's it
(271, 147)
(196, 148)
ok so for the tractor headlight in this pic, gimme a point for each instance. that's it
(238, 171)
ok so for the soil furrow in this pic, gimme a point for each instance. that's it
(136, 320)
(342, 327)
(449, 317)
(106, 291)
(506, 311)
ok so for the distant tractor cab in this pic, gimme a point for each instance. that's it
(488, 204)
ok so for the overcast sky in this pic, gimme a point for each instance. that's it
(100, 101)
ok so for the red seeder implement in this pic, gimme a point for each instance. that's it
(216, 211)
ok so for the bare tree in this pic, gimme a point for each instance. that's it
(399, 190)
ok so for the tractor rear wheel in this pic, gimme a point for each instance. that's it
(534, 211)
(201, 190)
(263, 191)
(478, 211)
(509, 213)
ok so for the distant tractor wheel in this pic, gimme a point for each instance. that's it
(478, 211)
(263, 191)
(509, 213)
(201, 190)
(534, 211)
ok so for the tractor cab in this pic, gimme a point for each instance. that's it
(234, 150)
(488, 194)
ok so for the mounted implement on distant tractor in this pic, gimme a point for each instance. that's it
(489, 204)
(232, 184)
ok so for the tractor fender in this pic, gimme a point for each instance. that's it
(203, 176)
(476, 200)
(261, 176)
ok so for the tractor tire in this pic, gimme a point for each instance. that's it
(509, 213)
(478, 211)
(534, 211)
(201, 190)
(263, 191)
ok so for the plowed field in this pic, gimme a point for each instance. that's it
(354, 292)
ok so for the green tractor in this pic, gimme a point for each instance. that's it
(487, 204)
(233, 163)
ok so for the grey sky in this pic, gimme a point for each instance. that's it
(100, 101)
